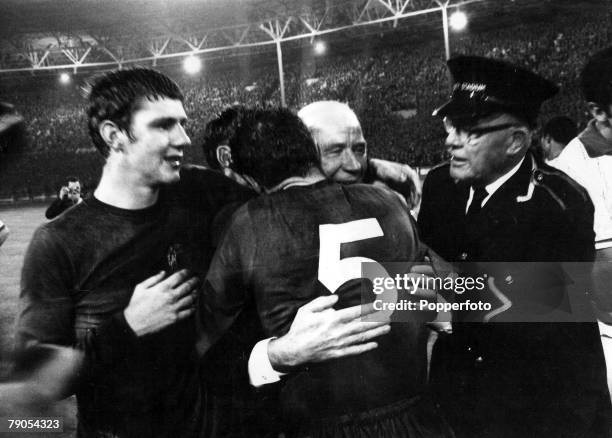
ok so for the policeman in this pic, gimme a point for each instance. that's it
(494, 202)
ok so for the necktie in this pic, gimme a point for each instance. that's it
(479, 194)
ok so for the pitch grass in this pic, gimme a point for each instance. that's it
(22, 221)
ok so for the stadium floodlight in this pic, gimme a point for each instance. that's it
(192, 64)
(458, 21)
(64, 78)
(320, 47)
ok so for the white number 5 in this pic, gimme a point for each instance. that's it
(334, 271)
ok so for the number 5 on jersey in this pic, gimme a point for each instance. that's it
(334, 271)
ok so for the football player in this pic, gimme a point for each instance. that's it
(215, 144)
(113, 276)
(306, 238)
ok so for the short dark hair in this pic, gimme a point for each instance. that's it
(272, 145)
(596, 79)
(561, 129)
(73, 179)
(219, 131)
(116, 96)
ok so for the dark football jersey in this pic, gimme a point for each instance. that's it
(79, 275)
(283, 250)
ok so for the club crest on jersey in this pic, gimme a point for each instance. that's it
(172, 257)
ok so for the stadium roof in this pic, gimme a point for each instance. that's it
(37, 35)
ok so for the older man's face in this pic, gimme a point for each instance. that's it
(480, 153)
(343, 150)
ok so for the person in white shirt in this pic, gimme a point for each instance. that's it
(588, 160)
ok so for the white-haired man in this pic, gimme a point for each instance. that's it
(343, 151)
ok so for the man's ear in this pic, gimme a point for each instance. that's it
(597, 112)
(519, 141)
(113, 136)
(224, 156)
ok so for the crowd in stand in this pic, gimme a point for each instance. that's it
(392, 89)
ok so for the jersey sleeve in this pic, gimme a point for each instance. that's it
(226, 286)
(48, 309)
(211, 189)
(47, 313)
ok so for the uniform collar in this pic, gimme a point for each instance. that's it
(495, 185)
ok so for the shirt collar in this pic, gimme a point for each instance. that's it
(492, 188)
(594, 143)
(297, 181)
(495, 185)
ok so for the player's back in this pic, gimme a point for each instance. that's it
(281, 238)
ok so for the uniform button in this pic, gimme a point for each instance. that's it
(509, 279)
(538, 175)
(463, 256)
(469, 348)
(479, 359)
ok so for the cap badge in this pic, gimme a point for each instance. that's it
(471, 86)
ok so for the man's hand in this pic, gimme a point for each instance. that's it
(63, 192)
(400, 177)
(443, 320)
(158, 303)
(319, 333)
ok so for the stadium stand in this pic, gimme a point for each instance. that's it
(392, 88)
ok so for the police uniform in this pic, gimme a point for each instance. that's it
(515, 378)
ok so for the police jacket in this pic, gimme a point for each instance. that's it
(511, 372)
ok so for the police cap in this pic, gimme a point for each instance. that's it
(483, 86)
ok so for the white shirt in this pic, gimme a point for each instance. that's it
(260, 369)
(494, 186)
(595, 175)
